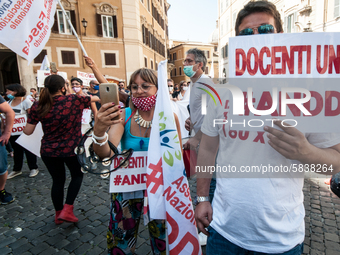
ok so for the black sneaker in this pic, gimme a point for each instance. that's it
(6, 197)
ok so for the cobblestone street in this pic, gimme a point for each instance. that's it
(27, 225)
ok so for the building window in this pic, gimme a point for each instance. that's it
(110, 59)
(151, 64)
(207, 53)
(206, 70)
(290, 23)
(180, 70)
(226, 4)
(148, 5)
(175, 56)
(64, 27)
(336, 8)
(68, 57)
(107, 26)
(175, 72)
(227, 25)
(222, 30)
(145, 62)
(39, 59)
(234, 19)
(221, 6)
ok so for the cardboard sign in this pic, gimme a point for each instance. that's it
(131, 178)
(32, 142)
(86, 77)
(43, 74)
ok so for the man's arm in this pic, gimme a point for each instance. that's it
(10, 115)
(206, 157)
(99, 76)
(292, 144)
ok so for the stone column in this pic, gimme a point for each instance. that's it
(27, 77)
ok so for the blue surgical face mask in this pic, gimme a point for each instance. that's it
(96, 87)
(188, 70)
(10, 96)
(31, 93)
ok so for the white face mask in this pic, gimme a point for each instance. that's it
(171, 89)
(185, 88)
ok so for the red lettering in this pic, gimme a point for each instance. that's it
(126, 180)
(276, 60)
(286, 60)
(328, 103)
(167, 193)
(188, 238)
(321, 70)
(240, 52)
(232, 134)
(334, 59)
(319, 104)
(262, 69)
(252, 71)
(259, 137)
(300, 49)
(243, 136)
(135, 179)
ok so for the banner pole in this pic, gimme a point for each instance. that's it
(73, 30)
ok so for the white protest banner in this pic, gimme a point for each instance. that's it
(86, 116)
(32, 142)
(131, 178)
(25, 25)
(86, 77)
(167, 186)
(43, 74)
(294, 79)
(45, 65)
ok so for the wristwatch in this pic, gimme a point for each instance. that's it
(199, 199)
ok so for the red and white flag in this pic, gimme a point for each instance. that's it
(25, 25)
(167, 185)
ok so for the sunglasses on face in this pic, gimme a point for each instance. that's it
(263, 29)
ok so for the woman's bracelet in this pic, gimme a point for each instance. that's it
(96, 138)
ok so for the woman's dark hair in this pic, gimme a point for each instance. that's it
(256, 7)
(16, 87)
(53, 84)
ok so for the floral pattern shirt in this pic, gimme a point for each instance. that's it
(61, 126)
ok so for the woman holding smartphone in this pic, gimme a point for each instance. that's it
(60, 116)
(132, 130)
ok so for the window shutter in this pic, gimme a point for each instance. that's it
(147, 36)
(55, 25)
(143, 31)
(99, 25)
(208, 53)
(73, 20)
(39, 59)
(115, 27)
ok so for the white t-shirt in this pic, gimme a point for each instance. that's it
(22, 107)
(196, 100)
(259, 214)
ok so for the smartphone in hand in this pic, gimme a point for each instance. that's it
(109, 94)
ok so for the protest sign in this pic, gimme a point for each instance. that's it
(43, 74)
(86, 77)
(131, 178)
(294, 78)
(32, 142)
(25, 25)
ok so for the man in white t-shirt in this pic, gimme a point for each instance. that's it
(257, 215)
